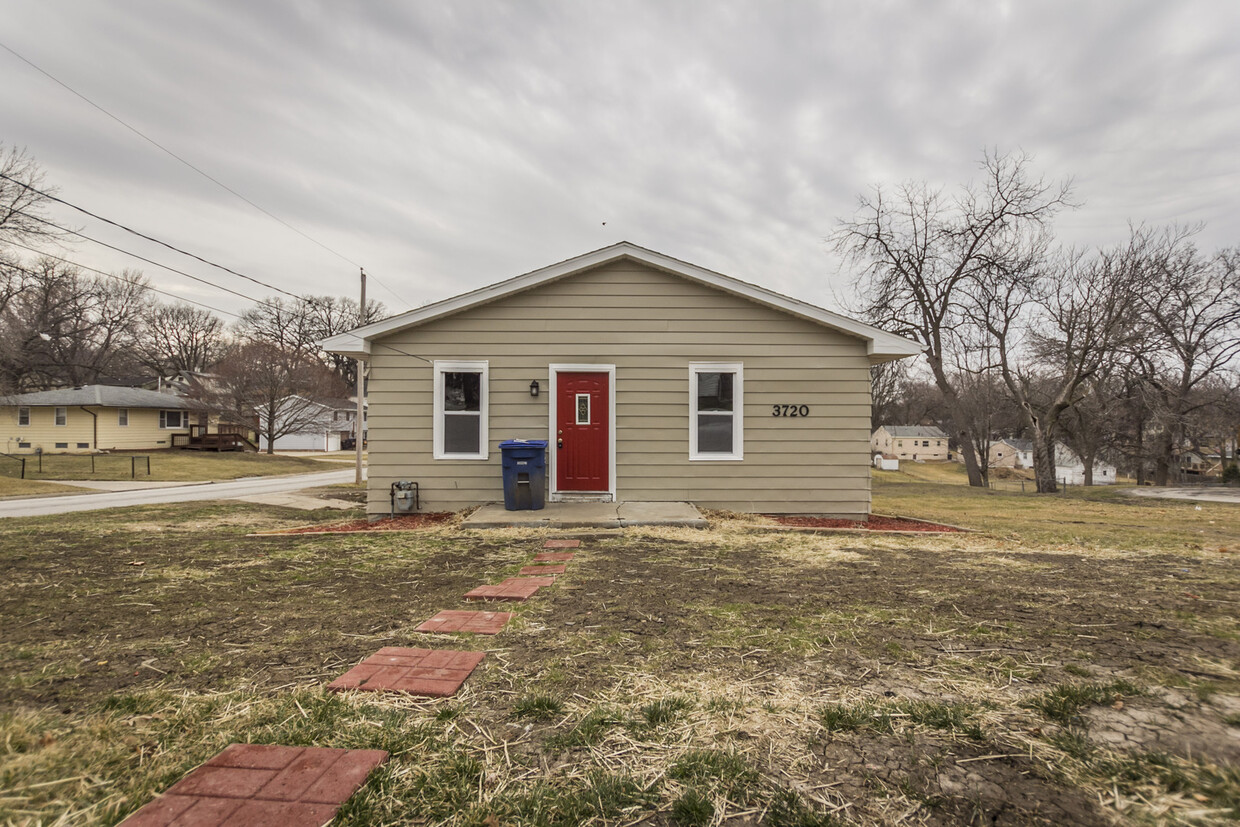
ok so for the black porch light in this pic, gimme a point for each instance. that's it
(534, 388)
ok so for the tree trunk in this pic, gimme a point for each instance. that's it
(1088, 460)
(1043, 461)
(271, 429)
(1162, 463)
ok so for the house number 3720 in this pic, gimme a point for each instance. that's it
(790, 410)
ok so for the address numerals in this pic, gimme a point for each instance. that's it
(790, 410)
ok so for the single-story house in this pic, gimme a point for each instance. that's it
(1010, 453)
(321, 424)
(915, 442)
(652, 380)
(1070, 468)
(91, 418)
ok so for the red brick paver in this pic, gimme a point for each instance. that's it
(482, 623)
(553, 557)
(517, 589)
(562, 544)
(437, 673)
(539, 570)
(262, 784)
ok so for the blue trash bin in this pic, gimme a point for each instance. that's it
(525, 473)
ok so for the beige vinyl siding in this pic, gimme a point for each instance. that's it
(142, 434)
(650, 325)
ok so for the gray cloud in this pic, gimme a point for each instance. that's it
(447, 145)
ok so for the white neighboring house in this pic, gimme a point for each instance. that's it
(322, 424)
(1070, 469)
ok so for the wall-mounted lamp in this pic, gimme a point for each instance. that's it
(534, 388)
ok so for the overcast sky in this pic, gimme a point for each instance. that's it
(449, 145)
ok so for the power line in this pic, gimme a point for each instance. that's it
(148, 261)
(209, 177)
(134, 282)
(142, 235)
(165, 149)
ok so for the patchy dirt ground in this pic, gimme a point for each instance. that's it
(936, 680)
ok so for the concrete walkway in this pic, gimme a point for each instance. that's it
(185, 492)
(1202, 494)
(588, 515)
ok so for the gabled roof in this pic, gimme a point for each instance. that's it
(928, 431)
(1018, 444)
(107, 396)
(880, 345)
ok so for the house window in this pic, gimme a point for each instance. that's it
(173, 419)
(62, 445)
(23, 416)
(900, 443)
(83, 445)
(925, 443)
(460, 429)
(716, 421)
(62, 417)
(122, 417)
(23, 445)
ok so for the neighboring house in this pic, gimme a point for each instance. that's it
(321, 424)
(1070, 469)
(1010, 453)
(916, 442)
(652, 379)
(91, 418)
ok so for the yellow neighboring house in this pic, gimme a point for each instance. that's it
(91, 418)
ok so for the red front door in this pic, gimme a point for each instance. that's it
(583, 433)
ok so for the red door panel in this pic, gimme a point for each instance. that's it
(582, 432)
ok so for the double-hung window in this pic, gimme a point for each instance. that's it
(23, 416)
(716, 421)
(122, 417)
(62, 416)
(460, 429)
(173, 419)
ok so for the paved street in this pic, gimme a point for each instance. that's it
(189, 492)
(1210, 495)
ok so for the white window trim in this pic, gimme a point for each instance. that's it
(122, 417)
(60, 416)
(23, 409)
(738, 411)
(163, 420)
(461, 366)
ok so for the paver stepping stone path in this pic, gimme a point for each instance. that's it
(562, 544)
(537, 570)
(437, 673)
(262, 784)
(553, 557)
(482, 623)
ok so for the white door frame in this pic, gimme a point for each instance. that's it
(552, 397)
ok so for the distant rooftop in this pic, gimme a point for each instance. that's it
(107, 396)
(927, 431)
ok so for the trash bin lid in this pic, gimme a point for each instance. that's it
(524, 443)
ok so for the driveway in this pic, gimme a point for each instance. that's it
(1202, 494)
(232, 489)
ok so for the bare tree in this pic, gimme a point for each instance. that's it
(178, 337)
(921, 253)
(23, 204)
(276, 387)
(1055, 322)
(302, 323)
(1191, 305)
(64, 328)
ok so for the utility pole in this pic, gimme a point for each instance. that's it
(360, 422)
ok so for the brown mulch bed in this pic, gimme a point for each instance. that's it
(875, 523)
(409, 522)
